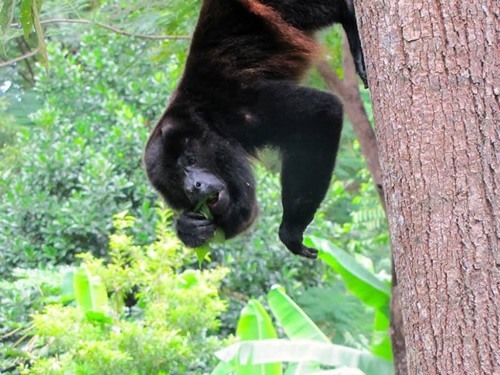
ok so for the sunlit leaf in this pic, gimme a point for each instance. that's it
(201, 252)
(381, 340)
(44, 59)
(293, 320)
(90, 292)
(27, 17)
(223, 368)
(255, 324)
(295, 323)
(302, 368)
(340, 371)
(98, 317)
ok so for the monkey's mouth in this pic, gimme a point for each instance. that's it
(218, 203)
(213, 200)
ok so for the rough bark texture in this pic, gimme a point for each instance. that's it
(433, 70)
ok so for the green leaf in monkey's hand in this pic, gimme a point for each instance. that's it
(203, 250)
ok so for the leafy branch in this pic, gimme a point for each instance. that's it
(19, 58)
(30, 19)
(111, 28)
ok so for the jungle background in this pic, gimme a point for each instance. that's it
(92, 278)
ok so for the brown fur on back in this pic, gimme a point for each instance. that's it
(303, 48)
(300, 40)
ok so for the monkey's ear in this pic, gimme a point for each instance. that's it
(164, 128)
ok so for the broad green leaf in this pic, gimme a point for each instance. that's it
(90, 292)
(201, 253)
(255, 324)
(98, 317)
(6, 15)
(296, 351)
(27, 17)
(381, 341)
(295, 322)
(358, 280)
(223, 368)
(302, 368)
(44, 59)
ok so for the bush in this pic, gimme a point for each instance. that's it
(81, 161)
(30, 291)
(167, 330)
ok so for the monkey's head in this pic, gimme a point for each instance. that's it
(190, 164)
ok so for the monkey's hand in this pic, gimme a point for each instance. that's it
(292, 238)
(194, 229)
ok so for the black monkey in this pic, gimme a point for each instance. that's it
(239, 93)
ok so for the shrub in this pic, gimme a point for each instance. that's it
(168, 329)
(81, 161)
(28, 292)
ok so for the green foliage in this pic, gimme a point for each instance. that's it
(167, 330)
(8, 134)
(256, 324)
(295, 322)
(81, 162)
(6, 15)
(90, 292)
(358, 280)
(307, 349)
(339, 314)
(364, 285)
(30, 291)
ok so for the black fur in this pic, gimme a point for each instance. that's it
(239, 93)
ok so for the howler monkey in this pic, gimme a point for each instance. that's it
(239, 93)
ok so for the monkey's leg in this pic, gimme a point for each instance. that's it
(313, 15)
(310, 15)
(306, 125)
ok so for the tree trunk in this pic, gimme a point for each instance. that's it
(432, 67)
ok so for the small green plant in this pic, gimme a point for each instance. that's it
(166, 329)
(26, 292)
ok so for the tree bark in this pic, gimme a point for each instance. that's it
(433, 69)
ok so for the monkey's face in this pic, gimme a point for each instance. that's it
(191, 166)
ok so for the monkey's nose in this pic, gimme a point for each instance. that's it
(200, 192)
